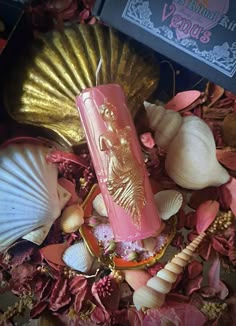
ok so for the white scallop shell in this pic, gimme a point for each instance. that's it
(78, 257)
(168, 203)
(99, 205)
(29, 194)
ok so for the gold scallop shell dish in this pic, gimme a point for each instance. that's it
(42, 90)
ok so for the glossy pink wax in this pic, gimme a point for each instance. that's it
(89, 104)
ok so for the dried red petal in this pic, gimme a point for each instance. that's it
(60, 296)
(206, 214)
(190, 220)
(228, 193)
(53, 253)
(193, 285)
(37, 310)
(220, 245)
(182, 100)
(214, 93)
(227, 158)
(200, 196)
(194, 269)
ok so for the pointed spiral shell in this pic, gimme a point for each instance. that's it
(152, 295)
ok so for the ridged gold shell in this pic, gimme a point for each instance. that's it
(43, 87)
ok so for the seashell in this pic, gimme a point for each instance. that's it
(206, 214)
(147, 297)
(136, 278)
(78, 257)
(159, 285)
(152, 295)
(29, 194)
(62, 63)
(72, 218)
(173, 268)
(168, 202)
(167, 120)
(167, 275)
(99, 205)
(191, 152)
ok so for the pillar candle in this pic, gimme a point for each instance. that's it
(118, 162)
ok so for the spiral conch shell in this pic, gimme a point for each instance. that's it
(153, 294)
(191, 152)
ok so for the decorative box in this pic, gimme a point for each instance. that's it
(12, 17)
(198, 34)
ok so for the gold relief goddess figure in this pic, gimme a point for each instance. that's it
(125, 180)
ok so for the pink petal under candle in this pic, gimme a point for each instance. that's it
(118, 161)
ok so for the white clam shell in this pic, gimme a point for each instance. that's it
(29, 194)
(147, 297)
(78, 257)
(168, 203)
(99, 205)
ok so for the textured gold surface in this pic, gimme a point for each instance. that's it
(43, 86)
(125, 180)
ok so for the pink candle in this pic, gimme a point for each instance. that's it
(118, 161)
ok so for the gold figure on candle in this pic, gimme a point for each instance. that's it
(124, 176)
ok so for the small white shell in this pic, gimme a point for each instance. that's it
(147, 297)
(72, 218)
(159, 285)
(168, 203)
(99, 205)
(78, 257)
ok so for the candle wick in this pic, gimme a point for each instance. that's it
(98, 70)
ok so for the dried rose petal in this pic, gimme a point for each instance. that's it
(200, 196)
(60, 296)
(214, 279)
(194, 269)
(220, 245)
(193, 285)
(38, 309)
(228, 192)
(227, 158)
(53, 253)
(78, 287)
(182, 100)
(206, 214)
(214, 93)
(190, 220)
(135, 317)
